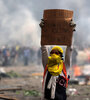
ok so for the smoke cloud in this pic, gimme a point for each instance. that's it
(18, 24)
(19, 20)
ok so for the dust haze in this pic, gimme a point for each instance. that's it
(19, 20)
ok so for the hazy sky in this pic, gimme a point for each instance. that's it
(19, 19)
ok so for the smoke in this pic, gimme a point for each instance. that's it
(19, 20)
(82, 20)
(18, 24)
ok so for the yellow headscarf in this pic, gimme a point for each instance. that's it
(57, 48)
(55, 63)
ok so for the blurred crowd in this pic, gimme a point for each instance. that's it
(16, 55)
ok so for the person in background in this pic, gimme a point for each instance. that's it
(5, 53)
(26, 55)
(74, 56)
(39, 56)
(13, 54)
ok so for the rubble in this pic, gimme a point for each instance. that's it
(72, 91)
(4, 97)
(21, 88)
(11, 89)
(3, 73)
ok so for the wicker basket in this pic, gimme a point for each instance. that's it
(56, 30)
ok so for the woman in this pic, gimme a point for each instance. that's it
(55, 79)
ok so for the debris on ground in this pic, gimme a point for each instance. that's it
(72, 91)
(13, 74)
(4, 97)
(31, 93)
(28, 85)
(11, 89)
(37, 74)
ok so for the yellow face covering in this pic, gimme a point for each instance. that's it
(55, 64)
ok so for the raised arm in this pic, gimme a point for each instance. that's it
(69, 48)
(44, 52)
(68, 57)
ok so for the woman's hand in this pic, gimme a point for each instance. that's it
(41, 23)
(72, 24)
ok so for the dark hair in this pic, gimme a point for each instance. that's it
(61, 54)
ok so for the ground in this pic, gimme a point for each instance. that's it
(27, 84)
